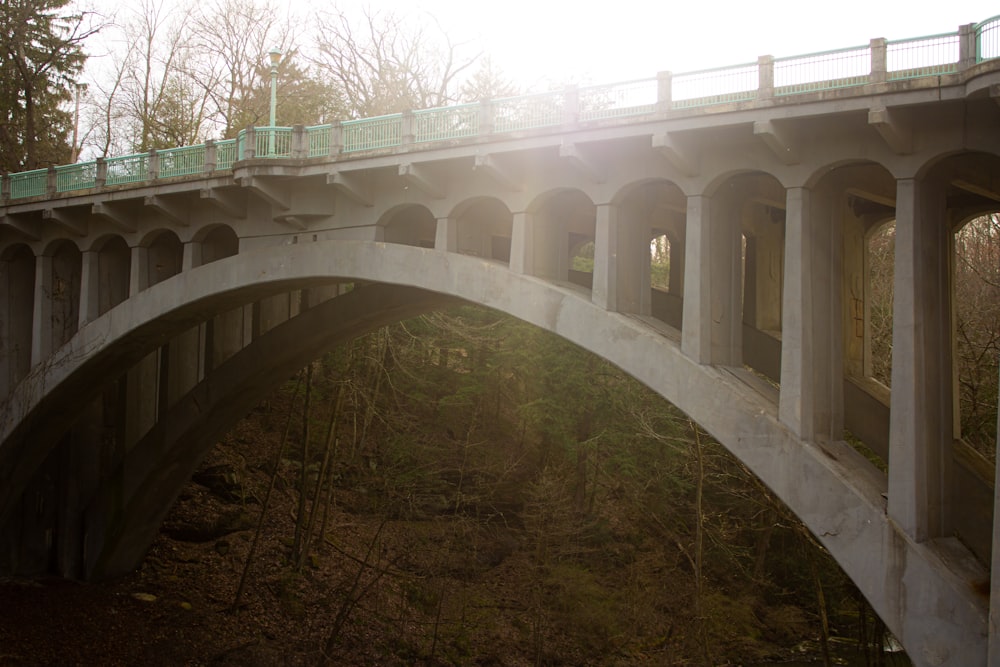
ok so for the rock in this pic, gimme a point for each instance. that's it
(144, 597)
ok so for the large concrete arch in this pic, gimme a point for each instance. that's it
(834, 490)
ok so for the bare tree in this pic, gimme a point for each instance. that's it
(381, 64)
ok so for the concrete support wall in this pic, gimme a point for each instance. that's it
(920, 456)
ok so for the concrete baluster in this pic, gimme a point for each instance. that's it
(664, 91)
(879, 60)
(765, 77)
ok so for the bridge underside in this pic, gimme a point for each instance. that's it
(109, 517)
(724, 257)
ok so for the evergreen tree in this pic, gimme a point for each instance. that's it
(40, 58)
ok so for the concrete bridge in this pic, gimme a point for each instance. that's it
(149, 301)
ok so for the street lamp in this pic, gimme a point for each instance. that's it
(275, 60)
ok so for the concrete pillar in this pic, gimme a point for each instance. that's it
(632, 282)
(41, 321)
(605, 287)
(521, 249)
(138, 270)
(920, 430)
(696, 331)
(446, 235)
(90, 287)
(810, 400)
(712, 318)
(994, 636)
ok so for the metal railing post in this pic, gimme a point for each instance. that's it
(664, 91)
(879, 60)
(765, 77)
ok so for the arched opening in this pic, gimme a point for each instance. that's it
(976, 312)
(412, 225)
(871, 313)
(218, 243)
(164, 257)
(484, 229)
(17, 285)
(65, 292)
(114, 262)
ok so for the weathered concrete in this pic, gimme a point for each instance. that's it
(123, 307)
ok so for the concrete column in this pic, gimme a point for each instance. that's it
(90, 287)
(605, 287)
(920, 428)
(521, 249)
(994, 637)
(632, 280)
(191, 256)
(41, 320)
(446, 235)
(809, 402)
(696, 331)
(138, 270)
(712, 319)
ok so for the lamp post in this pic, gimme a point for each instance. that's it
(80, 87)
(275, 60)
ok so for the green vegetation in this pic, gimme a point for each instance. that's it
(537, 506)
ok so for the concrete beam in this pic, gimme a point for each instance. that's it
(23, 227)
(226, 202)
(582, 162)
(277, 197)
(981, 189)
(108, 213)
(296, 221)
(779, 139)
(352, 187)
(70, 223)
(419, 178)
(495, 169)
(168, 209)
(896, 134)
(683, 159)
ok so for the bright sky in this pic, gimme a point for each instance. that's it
(539, 41)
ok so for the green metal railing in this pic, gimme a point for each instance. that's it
(80, 176)
(828, 70)
(923, 56)
(882, 60)
(445, 123)
(988, 39)
(182, 161)
(28, 183)
(371, 133)
(720, 85)
(619, 100)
